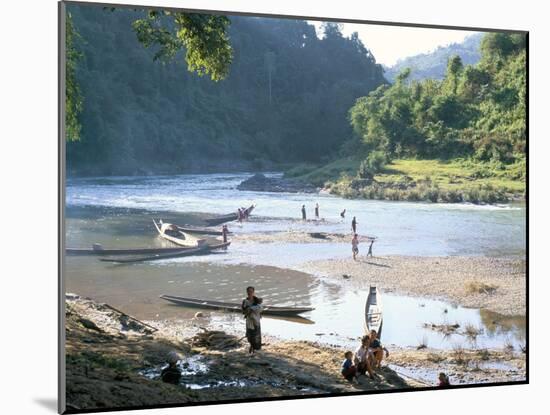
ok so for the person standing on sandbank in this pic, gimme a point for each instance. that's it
(355, 246)
(252, 309)
(303, 212)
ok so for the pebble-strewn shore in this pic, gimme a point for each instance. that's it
(496, 284)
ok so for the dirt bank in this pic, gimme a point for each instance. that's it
(108, 357)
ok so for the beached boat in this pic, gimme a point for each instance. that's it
(373, 311)
(173, 234)
(199, 230)
(98, 250)
(200, 250)
(229, 217)
(220, 305)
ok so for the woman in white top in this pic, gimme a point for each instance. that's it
(252, 309)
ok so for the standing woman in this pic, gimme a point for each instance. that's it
(355, 246)
(252, 309)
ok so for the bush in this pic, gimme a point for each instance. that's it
(373, 164)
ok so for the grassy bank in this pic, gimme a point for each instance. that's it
(450, 181)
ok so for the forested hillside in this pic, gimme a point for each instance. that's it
(474, 117)
(433, 65)
(286, 97)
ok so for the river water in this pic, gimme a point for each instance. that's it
(117, 212)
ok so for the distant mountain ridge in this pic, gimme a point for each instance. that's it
(433, 64)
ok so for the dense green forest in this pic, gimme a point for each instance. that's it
(285, 97)
(473, 122)
(433, 64)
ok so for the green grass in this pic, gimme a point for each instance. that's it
(320, 175)
(451, 181)
(457, 174)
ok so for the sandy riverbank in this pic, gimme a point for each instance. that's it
(496, 284)
(112, 361)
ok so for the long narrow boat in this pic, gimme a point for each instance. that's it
(97, 250)
(200, 250)
(229, 217)
(199, 230)
(173, 234)
(373, 311)
(220, 305)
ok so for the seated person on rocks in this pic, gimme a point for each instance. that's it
(443, 380)
(171, 373)
(349, 371)
(361, 358)
(376, 350)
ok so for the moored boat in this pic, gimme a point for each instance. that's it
(98, 250)
(221, 305)
(200, 230)
(229, 217)
(171, 233)
(373, 311)
(200, 250)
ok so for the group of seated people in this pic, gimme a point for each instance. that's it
(366, 358)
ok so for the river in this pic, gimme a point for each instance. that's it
(117, 212)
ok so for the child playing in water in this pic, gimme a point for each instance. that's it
(349, 371)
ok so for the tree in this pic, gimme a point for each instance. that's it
(203, 36)
(73, 97)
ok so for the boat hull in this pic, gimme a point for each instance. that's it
(219, 305)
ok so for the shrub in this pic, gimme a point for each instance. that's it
(373, 164)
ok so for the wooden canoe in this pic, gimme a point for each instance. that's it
(227, 218)
(373, 311)
(200, 250)
(220, 305)
(178, 237)
(97, 250)
(200, 231)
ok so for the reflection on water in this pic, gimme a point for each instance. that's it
(338, 317)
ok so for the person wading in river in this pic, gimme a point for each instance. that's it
(317, 211)
(252, 309)
(354, 225)
(225, 231)
(355, 246)
(343, 214)
(303, 212)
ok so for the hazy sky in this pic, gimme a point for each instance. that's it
(390, 43)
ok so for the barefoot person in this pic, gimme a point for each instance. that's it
(376, 350)
(361, 358)
(370, 247)
(354, 225)
(225, 231)
(252, 309)
(355, 246)
(349, 371)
